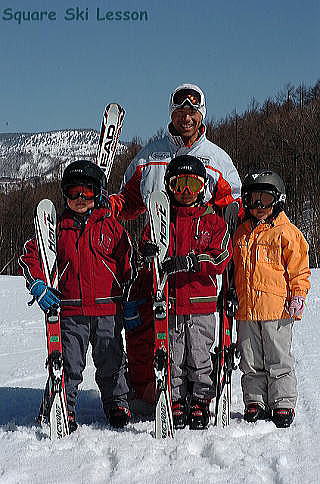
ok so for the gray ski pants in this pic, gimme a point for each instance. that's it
(104, 334)
(267, 363)
(191, 338)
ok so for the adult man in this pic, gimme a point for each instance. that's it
(186, 135)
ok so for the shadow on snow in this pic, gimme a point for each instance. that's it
(20, 406)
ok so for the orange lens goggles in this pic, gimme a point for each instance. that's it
(180, 183)
(86, 192)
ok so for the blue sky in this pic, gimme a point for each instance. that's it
(58, 74)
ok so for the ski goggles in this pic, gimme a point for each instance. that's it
(180, 183)
(186, 96)
(260, 200)
(86, 192)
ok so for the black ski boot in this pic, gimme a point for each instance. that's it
(72, 422)
(119, 416)
(254, 412)
(283, 417)
(179, 414)
(199, 414)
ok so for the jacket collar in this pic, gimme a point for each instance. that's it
(70, 220)
(193, 212)
(280, 219)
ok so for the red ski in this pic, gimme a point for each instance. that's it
(159, 210)
(53, 407)
(223, 358)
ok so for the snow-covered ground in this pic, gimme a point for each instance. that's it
(242, 453)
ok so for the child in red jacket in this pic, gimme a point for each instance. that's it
(199, 248)
(94, 256)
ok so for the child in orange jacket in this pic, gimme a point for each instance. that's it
(272, 281)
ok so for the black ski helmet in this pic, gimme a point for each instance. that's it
(264, 181)
(184, 165)
(85, 172)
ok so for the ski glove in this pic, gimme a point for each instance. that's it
(232, 303)
(149, 250)
(131, 314)
(296, 306)
(44, 295)
(180, 263)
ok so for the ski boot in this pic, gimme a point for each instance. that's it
(254, 412)
(119, 416)
(72, 422)
(283, 417)
(199, 415)
(179, 414)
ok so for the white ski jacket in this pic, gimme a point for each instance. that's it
(145, 173)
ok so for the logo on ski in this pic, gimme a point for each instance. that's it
(107, 140)
(111, 126)
(51, 234)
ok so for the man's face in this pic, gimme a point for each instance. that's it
(187, 121)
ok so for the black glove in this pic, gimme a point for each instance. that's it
(232, 302)
(149, 250)
(180, 263)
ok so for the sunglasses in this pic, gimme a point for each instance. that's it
(178, 184)
(186, 96)
(86, 192)
(260, 200)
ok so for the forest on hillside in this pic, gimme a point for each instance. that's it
(282, 134)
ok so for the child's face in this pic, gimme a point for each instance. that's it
(186, 188)
(261, 213)
(80, 198)
(79, 205)
(266, 200)
(186, 198)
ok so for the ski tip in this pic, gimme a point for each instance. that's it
(115, 106)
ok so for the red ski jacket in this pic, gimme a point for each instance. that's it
(201, 231)
(95, 263)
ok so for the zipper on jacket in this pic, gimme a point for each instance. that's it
(104, 262)
(64, 270)
(214, 283)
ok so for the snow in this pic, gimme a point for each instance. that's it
(242, 453)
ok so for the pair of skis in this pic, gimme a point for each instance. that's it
(224, 355)
(53, 407)
(223, 359)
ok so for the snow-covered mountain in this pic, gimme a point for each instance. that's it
(96, 454)
(29, 154)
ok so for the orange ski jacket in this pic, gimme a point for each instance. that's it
(271, 265)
